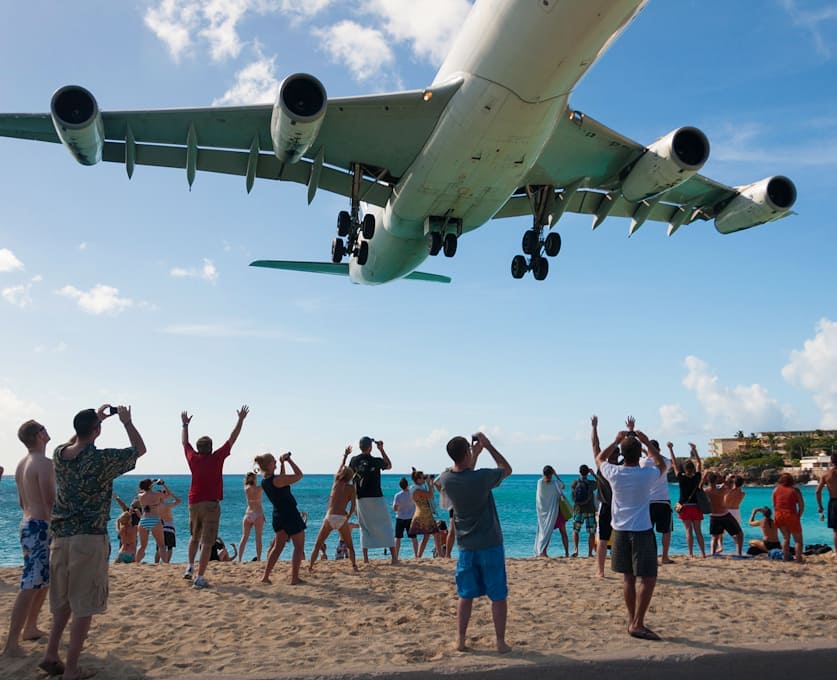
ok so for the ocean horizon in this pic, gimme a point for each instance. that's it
(515, 500)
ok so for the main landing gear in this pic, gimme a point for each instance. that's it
(538, 248)
(351, 227)
(443, 235)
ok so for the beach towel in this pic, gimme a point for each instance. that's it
(546, 506)
(375, 523)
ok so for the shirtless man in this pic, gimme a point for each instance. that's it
(35, 479)
(337, 518)
(720, 518)
(829, 479)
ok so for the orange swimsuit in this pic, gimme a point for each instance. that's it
(785, 514)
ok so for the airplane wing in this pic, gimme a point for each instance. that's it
(339, 269)
(588, 164)
(383, 133)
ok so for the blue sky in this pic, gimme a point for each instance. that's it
(139, 292)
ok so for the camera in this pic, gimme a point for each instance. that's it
(630, 433)
(160, 482)
(112, 411)
(474, 439)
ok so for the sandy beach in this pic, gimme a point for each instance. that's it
(747, 618)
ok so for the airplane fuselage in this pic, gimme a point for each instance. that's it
(518, 62)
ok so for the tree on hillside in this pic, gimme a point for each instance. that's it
(798, 447)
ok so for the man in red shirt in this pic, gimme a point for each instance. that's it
(205, 493)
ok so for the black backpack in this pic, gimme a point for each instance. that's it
(581, 492)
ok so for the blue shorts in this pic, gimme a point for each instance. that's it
(482, 572)
(34, 541)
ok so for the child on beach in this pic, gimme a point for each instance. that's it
(287, 522)
(337, 518)
(127, 532)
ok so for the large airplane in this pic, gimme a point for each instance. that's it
(491, 137)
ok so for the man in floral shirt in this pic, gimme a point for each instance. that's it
(80, 547)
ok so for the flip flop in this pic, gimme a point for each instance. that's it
(52, 667)
(644, 634)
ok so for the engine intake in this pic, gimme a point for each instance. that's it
(297, 116)
(78, 123)
(757, 203)
(669, 161)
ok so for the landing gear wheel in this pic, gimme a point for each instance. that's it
(368, 227)
(530, 242)
(362, 253)
(450, 245)
(344, 223)
(540, 268)
(552, 245)
(434, 242)
(338, 250)
(519, 266)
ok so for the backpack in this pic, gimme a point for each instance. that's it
(581, 492)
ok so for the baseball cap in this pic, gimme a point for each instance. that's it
(366, 442)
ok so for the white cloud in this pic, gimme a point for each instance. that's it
(728, 409)
(82, 245)
(436, 439)
(8, 261)
(100, 299)
(673, 420)
(429, 26)
(254, 84)
(364, 51)
(14, 410)
(814, 368)
(208, 272)
(173, 22)
(815, 21)
(18, 295)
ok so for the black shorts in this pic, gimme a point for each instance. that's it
(728, 523)
(634, 552)
(605, 529)
(168, 537)
(402, 526)
(832, 514)
(290, 522)
(661, 517)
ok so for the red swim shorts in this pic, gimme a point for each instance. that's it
(690, 513)
(789, 521)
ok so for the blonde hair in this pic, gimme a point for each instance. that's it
(344, 474)
(123, 519)
(263, 461)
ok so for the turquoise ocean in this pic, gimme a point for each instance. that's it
(515, 500)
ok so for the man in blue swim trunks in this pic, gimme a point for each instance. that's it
(35, 479)
(481, 568)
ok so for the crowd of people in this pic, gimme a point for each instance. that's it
(66, 505)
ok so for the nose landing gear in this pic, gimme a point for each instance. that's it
(351, 227)
(538, 248)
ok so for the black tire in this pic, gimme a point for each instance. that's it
(552, 245)
(450, 245)
(434, 242)
(540, 268)
(344, 223)
(338, 250)
(368, 227)
(519, 266)
(362, 253)
(530, 242)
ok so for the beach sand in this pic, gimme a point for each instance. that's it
(741, 618)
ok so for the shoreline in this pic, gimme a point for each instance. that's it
(399, 621)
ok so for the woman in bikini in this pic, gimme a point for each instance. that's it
(337, 518)
(770, 534)
(127, 539)
(287, 522)
(150, 522)
(423, 521)
(253, 517)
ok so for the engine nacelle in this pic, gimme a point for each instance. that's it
(78, 122)
(757, 203)
(669, 161)
(297, 116)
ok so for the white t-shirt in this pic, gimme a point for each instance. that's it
(406, 507)
(659, 492)
(631, 493)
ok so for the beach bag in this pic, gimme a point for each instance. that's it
(565, 508)
(702, 501)
(581, 492)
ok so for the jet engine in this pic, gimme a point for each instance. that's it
(78, 123)
(669, 161)
(297, 116)
(757, 203)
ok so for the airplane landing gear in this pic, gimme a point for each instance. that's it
(351, 227)
(442, 235)
(538, 248)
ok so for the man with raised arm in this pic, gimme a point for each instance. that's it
(205, 493)
(829, 479)
(78, 561)
(634, 551)
(35, 479)
(481, 567)
(372, 510)
(605, 528)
